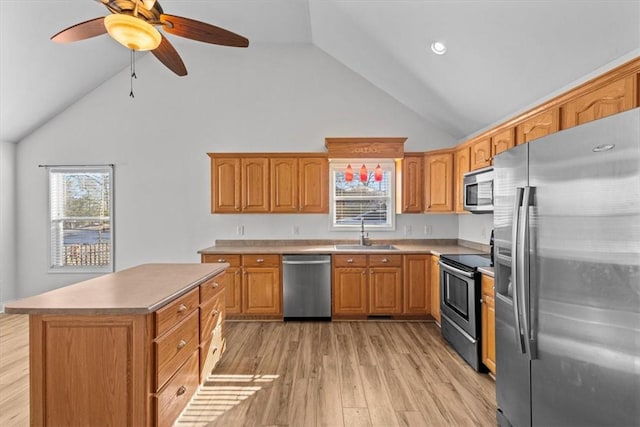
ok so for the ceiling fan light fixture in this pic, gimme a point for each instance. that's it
(438, 48)
(132, 32)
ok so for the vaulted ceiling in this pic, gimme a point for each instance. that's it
(503, 55)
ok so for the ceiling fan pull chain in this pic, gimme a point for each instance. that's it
(133, 71)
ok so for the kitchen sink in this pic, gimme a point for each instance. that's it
(365, 247)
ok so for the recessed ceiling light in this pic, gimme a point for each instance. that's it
(438, 48)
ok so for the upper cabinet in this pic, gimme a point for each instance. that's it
(481, 153)
(462, 165)
(539, 125)
(502, 141)
(263, 183)
(439, 181)
(615, 97)
(412, 179)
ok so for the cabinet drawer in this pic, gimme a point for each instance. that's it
(233, 260)
(174, 312)
(211, 288)
(385, 260)
(261, 260)
(211, 352)
(349, 260)
(173, 348)
(172, 399)
(211, 315)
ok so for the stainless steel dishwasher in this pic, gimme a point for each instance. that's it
(306, 287)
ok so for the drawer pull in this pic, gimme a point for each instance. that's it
(181, 344)
(214, 313)
(350, 260)
(182, 390)
(222, 260)
(364, 272)
(182, 308)
(385, 260)
(215, 284)
(260, 260)
(215, 349)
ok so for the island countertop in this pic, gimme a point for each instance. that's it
(137, 290)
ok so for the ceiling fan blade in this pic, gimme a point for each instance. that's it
(196, 30)
(168, 55)
(84, 30)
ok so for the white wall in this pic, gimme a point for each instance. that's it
(475, 227)
(261, 99)
(7, 223)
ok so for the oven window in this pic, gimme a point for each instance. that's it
(471, 198)
(456, 295)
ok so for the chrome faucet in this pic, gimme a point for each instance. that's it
(363, 237)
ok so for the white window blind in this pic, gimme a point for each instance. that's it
(357, 201)
(81, 219)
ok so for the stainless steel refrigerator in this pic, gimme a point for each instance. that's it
(567, 268)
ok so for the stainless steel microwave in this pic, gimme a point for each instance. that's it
(478, 190)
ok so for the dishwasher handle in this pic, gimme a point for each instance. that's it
(306, 262)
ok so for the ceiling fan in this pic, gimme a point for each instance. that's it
(133, 24)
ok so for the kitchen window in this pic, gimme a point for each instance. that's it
(81, 219)
(362, 190)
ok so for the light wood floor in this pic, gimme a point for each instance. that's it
(308, 374)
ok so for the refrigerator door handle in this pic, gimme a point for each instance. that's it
(532, 301)
(514, 266)
(523, 265)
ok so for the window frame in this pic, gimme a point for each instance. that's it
(87, 269)
(338, 166)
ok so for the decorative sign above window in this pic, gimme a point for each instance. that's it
(380, 148)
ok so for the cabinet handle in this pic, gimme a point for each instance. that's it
(260, 260)
(181, 344)
(182, 308)
(385, 260)
(493, 288)
(364, 272)
(214, 350)
(215, 284)
(481, 301)
(222, 260)
(237, 272)
(350, 260)
(214, 313)
(182, 390)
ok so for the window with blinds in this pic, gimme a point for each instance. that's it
(360, 194)
(81, 219)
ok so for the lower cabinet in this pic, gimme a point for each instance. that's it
(254, 283)
(417, 283)
(488, 323)
(350, 282)
(435, 287)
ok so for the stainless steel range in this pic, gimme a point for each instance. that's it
(460, 304)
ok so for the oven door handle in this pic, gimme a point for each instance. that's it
(456, 270)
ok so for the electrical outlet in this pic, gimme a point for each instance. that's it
(428, 229)
(407, 230)
(295, 230)
(240, 230)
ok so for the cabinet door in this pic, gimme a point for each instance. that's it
(488, 324)
(350, 291)
(255, 184)
(385, 290)
(233, 290)
(412, 187)
(439, 185)
(503, 141)
(616, 97)
(284, 184)
(415, 271)
(314, 185)
(261, 290)
(462, 166)
(542, 124)
(225, 185)
(481, 154)
(435, 288)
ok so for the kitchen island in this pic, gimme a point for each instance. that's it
(128, 348)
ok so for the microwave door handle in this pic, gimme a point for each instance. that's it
(514, 266)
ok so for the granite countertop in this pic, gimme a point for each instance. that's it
(137, 290)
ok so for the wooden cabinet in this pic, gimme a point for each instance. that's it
(439, 181)
(481, 153)
(253, 282)
(412, 183)
(416, 288)
(462, 164)
(268, 183)
(435, 287)
(542, 124)
(488, 323)
(367, 284)
(313, 185)
(502, 141)
(615, 97)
